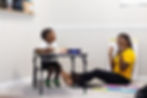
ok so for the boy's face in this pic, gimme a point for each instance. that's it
(51, 37)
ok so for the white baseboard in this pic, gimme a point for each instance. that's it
(11, 83)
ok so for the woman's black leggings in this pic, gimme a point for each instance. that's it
(107, 77)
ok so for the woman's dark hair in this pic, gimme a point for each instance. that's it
(127, 38)
(45, 32)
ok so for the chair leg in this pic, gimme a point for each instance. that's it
(34, 81)
(84, 69)
(41, 83)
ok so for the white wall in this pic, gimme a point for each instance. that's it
(80, 23)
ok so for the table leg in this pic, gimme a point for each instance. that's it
(72, 64)
(85, 63)
(84, 58)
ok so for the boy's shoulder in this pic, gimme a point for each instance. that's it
(43, 45)
(54, 44)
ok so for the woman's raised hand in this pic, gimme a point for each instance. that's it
(111, 49)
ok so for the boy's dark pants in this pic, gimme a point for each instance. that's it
(52, 66)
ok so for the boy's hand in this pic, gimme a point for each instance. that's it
(63, 50)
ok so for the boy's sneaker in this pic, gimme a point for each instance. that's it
(57, 83)
(48, 83)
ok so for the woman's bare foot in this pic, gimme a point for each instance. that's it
(67, 78)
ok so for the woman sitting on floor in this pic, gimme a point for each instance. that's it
(121, 64)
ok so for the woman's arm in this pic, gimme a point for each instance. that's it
(123, 64)
(111, 58)
(111, 62)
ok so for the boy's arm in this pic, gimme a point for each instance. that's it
(43, 51)
(58, 49)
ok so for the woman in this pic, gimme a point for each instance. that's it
(121, 66)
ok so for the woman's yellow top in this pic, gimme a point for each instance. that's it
(128, 57)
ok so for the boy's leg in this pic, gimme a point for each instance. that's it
(47, 66)
(50, 70)
(57, 70)
(48, 80)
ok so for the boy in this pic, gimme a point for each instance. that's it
(48, 47)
